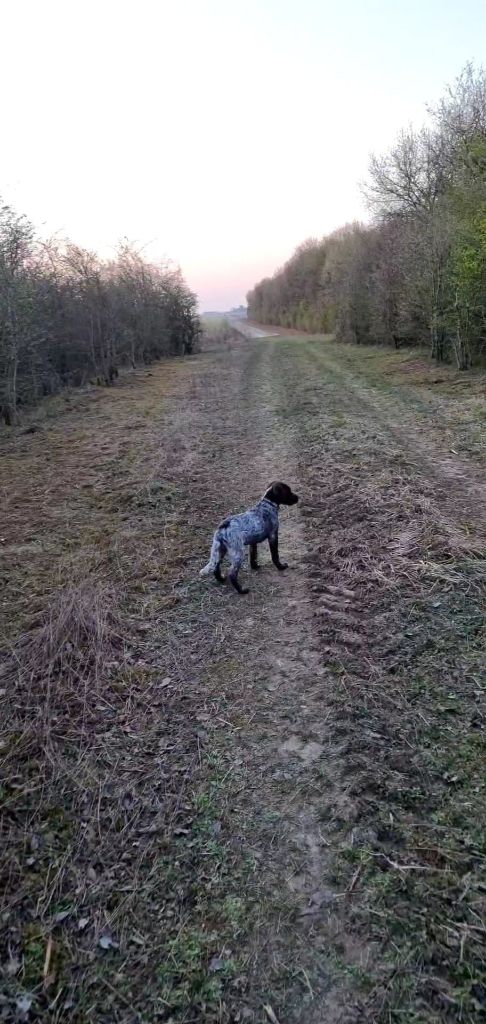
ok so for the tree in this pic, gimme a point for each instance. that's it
(67, 317)
(16, 312)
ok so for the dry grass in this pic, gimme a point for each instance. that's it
(76, 694)
(399, 583)
(79, 633)
(103, 774)
(218, 334)
(55, 681)
(152, 839)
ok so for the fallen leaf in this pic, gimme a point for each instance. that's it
(107, 942)
(311, 751)
(24, 1004)
(60, 916)
(291, 746)
(245, 1013)
(216, 964)
(13, 966)
(83, 921)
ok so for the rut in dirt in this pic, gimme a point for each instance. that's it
(264, 670)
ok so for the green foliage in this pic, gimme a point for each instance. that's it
(466, 319)
(184, 977)
(295, 296)
(417, 275)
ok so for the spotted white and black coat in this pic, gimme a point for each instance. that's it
(249, 529)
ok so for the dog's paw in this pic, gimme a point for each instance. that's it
(282, 565)
(255, 566)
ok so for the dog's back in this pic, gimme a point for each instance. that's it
(236, 532)
(253, 526)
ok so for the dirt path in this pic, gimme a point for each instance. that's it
(252, 330)
(259, 808)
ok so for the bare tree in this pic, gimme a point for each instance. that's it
(16, 236)
(67, 317)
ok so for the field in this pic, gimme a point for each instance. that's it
(268, 808)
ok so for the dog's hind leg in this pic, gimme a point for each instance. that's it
(254, 556)
(236, 555)
(235, 581)
(218, 551)
(217, 569)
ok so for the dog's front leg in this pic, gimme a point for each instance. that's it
(273, 542)
(254, 556)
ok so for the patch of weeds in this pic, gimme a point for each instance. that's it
(221, 670)
(43, 958)
(234, 909)
(192, 975)
(213, 903)
(423, 884)
(34, 952)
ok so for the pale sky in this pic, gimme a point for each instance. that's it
(218, 133)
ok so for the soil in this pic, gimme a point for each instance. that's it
(257, 808)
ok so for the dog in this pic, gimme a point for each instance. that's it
(249, 528)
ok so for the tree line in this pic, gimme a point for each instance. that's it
(67, 317)
(417, 273)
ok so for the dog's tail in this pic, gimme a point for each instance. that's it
(217, 552)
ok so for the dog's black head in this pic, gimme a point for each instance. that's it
(281, 494)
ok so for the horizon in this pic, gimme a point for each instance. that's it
(216, 138)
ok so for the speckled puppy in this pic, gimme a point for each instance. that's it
(259, 523)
